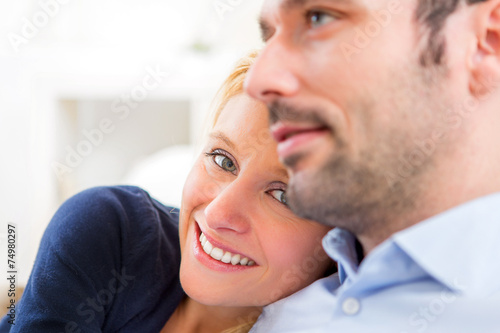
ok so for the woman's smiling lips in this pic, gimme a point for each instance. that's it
(217, 256)
(291, 138)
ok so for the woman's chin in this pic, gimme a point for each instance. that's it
(213, 295)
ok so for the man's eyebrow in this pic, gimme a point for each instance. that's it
(292, 4)
(218, 135)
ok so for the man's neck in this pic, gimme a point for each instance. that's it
(470, 172)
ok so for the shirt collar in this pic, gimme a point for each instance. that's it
(459, 247)
(455, 247)
(340, 245)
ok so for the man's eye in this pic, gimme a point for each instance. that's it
(279, 195)
(225, 163)
(317, 19)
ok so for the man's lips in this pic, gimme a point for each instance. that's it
(293, 139)
(282, 131)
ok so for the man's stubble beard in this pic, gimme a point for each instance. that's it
(351, 196)
(356, 195)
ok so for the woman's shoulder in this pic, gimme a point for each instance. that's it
(115, 246)
(113, 210)
(123, 220)
(116, 200)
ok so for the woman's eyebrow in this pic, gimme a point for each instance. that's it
(280, 172)
(218, 135)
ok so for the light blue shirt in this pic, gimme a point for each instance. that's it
(441, 275)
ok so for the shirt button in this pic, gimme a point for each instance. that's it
(351, 306)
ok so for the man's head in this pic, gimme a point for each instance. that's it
(366, 100)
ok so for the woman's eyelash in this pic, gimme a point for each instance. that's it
(227, 163)
(281, 198)
(218, 152)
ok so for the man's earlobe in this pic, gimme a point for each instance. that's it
(484, 61)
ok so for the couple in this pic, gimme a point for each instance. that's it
(115, 260)
(393, 142)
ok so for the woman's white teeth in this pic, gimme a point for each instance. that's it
(227, 257)
(235, 259)
(208, 247)
(216, 253)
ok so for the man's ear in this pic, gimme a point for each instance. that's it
(484, 61)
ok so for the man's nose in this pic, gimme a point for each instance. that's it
(231, 209)
(272, 75)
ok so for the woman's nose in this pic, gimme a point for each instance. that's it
(231, 209)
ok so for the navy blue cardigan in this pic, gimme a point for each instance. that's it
(108, 262)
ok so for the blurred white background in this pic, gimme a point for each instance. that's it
(105, 92)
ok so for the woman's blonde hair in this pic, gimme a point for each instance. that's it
(232, 86)
(243, 328)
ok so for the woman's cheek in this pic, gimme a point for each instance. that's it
(200, 188)
(305, 258)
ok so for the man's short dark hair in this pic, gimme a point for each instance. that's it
(433, 13)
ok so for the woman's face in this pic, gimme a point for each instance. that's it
(234, 199)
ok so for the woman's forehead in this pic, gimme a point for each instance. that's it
(243, 115)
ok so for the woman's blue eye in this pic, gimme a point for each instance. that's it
(317, 18)
(225, 163)
(279, 195)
